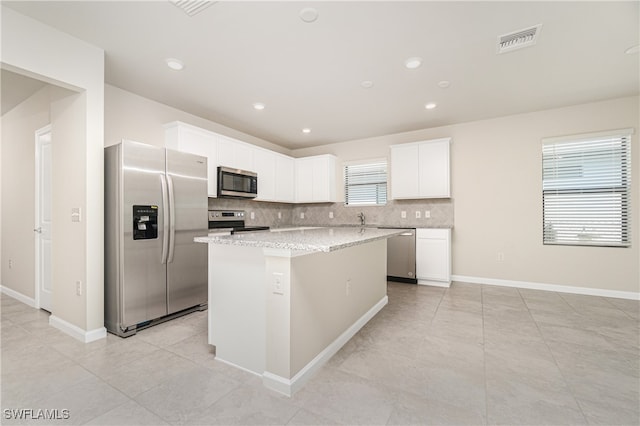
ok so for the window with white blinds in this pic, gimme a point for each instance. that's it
(366, 184)
(586, 190)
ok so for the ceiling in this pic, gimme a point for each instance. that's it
(15, 88)
(309, 75)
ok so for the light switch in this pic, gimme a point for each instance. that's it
(427, 214)
(301, 215)
(418, 214)
(330, 215)
(76, 214)
(403, 214)
(253, 215)
(279, 215)
(278, 288)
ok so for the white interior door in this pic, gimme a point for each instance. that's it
(43, 217)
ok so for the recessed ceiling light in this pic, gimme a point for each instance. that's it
(174, 64)
(367, 84)
(444, 84)
(306, 130)
(413, 63)
(259, 106)
(309, 14)
(431, 105)
(633, 49)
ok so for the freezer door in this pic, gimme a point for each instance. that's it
(188, 211)
(143, 288)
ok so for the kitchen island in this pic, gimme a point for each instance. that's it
(282, 303)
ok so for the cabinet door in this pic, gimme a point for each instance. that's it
(285, 180)
(434, 169)
(264, 164)
(315, 179)
(195, 141)
(433, 256)
(304, 180)
(320, 188)
(405, 172)
(235, 154)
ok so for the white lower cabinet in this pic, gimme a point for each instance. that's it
(433, 256)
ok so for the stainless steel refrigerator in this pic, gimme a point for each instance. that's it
(155, 204)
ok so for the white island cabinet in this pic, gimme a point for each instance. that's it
(420, 170)
(282, 303)
(433, 256)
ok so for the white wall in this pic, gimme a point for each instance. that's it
(18, 177)
(129, 116)
(41, 52)
(496, 184)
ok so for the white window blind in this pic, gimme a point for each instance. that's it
(586, 190)
(366, 184)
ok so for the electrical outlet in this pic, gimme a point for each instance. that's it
(418, 214)
(10, 263)
(78, 288)
(403, 214)
(500, 256)
(301, 215)
(330, 215)
(278, 277)
(427, 214)
(347, 288)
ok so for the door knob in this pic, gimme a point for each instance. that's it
(38, 230)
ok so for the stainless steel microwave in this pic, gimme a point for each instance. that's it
(236, 183)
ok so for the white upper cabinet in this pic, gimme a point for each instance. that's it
(420, 170)
(186, 138)
(315, 179)
(275, 176)
(235, 154)
(275, 171)
(285, 179)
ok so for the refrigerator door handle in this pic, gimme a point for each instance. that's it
(172, 219)
(165, 224)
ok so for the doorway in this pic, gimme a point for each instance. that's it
(43, 218)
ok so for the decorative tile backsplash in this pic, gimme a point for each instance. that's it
(282, 214)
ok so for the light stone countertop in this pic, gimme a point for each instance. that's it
(312, 240)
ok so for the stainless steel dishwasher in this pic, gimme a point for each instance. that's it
(401, 257)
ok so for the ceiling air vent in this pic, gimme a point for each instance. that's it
(192, 7)
(518, 39)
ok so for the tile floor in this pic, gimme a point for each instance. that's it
(469, 354)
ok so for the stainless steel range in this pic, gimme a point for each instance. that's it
(232, 221)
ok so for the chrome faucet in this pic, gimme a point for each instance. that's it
(361, 216)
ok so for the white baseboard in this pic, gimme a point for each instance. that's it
(18, 296)
(445, 284)
(548, 287)
(76, 332)
(290, 386)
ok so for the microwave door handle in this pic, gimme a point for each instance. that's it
(172, 219)
(165, 222)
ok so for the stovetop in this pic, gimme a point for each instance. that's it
(232, 220)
